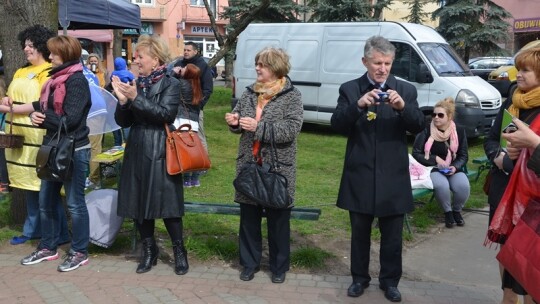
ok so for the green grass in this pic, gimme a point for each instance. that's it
(319, 162)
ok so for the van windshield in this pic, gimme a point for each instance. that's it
(444, 59)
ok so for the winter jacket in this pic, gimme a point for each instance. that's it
(120, 70)
(284, 112)
(146, 190)
(375, 179)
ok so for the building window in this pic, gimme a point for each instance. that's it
(143, 2)
(212, 3)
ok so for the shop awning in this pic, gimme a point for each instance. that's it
(94, 35)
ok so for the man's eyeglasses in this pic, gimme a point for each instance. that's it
(440, 115)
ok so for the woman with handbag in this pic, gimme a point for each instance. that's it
(444, 146)
(271, 105)
(188, 112)
(146, 191)
(525, 105)
(65, 100)
(26, 88)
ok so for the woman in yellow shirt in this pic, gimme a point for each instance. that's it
(21, 163)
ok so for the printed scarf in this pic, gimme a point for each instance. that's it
(265, 91)
(57, 83)
(146, 82)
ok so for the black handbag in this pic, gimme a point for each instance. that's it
(54, 159)
(262, 183)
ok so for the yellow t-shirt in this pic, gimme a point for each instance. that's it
(21, 163)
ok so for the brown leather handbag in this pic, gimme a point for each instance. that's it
(184, 151)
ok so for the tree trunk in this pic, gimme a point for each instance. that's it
(117, 43)
(15, 16)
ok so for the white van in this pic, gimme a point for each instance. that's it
(325, 55)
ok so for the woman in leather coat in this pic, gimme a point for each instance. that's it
(146, 191)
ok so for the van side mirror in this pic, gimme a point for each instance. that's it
(423, 75)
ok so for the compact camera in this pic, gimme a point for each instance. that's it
(511, 128)
(383, 96)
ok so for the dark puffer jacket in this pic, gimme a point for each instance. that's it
(285, 113)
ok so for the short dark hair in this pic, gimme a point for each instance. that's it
(39, 35)
(193, 44)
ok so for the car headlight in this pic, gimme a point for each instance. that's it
(466, 98)
(503, 76)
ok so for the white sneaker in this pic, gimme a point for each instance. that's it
(89, 185)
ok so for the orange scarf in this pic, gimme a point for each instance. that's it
(522, 100)
(265, 92)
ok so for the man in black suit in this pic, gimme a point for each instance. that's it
(375, 111)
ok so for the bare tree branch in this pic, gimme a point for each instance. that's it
(225, 45)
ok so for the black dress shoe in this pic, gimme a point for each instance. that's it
(278, 277)
(391, 293)
(356, 289)
(248, 273)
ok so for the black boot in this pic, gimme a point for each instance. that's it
(458, 218)
(180, 258)
(150, 253)
(449, 219)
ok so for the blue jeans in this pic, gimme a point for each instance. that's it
(32, 224)
(50, 197)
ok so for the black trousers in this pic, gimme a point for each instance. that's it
(279, 233)
(391, 228)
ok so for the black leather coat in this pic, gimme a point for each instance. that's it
(145, 190)
(462, 154)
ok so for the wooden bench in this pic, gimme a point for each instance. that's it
(112, 161)
(418, 193)
(310, 214)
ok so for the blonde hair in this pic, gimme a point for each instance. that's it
(100, 63)
(155, 47)
(275, 59)
(448, 105)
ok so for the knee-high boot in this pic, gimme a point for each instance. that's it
(150, 253)
(180, 258)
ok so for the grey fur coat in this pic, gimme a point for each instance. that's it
(285, 113)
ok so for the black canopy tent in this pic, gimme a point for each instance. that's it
(98, 14)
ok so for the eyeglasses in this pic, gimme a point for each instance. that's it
(440, 115)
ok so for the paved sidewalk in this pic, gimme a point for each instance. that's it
(448, 266)
(113, 280)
